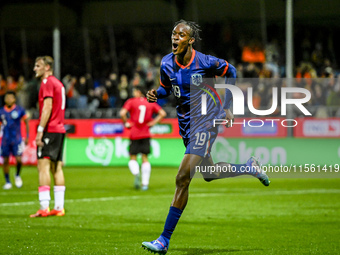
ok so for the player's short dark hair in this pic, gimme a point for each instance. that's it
(141, 89)
(48, 60)
(10, 92)
(194, 28)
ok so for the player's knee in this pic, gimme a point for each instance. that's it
(182, 180)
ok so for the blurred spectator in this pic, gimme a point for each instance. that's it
(251, 71)
(71, 94)
(111, 85)
(82, 89)
(305, 73)
(123, 88)
(149, 80)
(317, 56)
(137, 80)
(272, 57)
(11, 83)
(104, 97)
(98, 99)
(319, 95)
(94, 100)
(22, 92)
(143, 62)
(334, 94)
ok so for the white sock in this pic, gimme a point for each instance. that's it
(146, 171)
(59, 197)
(134, 167)
(44, 197)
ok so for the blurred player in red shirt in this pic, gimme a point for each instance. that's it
(140, 121)
(50, 138)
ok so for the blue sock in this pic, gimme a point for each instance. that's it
(7, 178)
(170, 223)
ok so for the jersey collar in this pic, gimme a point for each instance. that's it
(192, 59)
(9, 109)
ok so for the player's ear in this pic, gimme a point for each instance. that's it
(191, 40)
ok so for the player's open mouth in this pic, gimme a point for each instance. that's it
(174, 46)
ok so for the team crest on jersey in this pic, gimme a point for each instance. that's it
(14, 115)
(196, 79)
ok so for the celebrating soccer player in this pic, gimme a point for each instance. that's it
(183, 73)
(140, 121)
(11, 143)
(50, 138)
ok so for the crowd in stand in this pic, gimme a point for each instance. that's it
(253, 61)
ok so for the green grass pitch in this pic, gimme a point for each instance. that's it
(105, 215)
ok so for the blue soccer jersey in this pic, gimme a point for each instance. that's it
(10, 119)
(188, 84)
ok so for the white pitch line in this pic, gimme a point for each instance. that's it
(12, 192)
(103, 199)
(193, 195)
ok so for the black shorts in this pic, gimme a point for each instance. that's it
(139, 146)
(53, 148)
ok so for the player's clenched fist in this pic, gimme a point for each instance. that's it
(151, 96)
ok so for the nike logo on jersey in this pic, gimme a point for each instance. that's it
(172, 79)
(196, 148)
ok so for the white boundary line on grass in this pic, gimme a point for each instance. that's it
(193, 195)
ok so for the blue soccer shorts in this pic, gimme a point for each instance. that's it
(11, 148)
(200, 142)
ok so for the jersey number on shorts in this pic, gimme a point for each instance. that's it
(142, 109)
(200, 139)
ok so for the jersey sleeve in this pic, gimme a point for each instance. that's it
(220, 66)
(23, 114)
(47, 90)
(164, 78)
(165, 87)
(127, 105)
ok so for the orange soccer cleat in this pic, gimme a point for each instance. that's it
(55, 212)
(41, 213)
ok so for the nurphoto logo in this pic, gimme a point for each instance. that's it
(238, 104)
